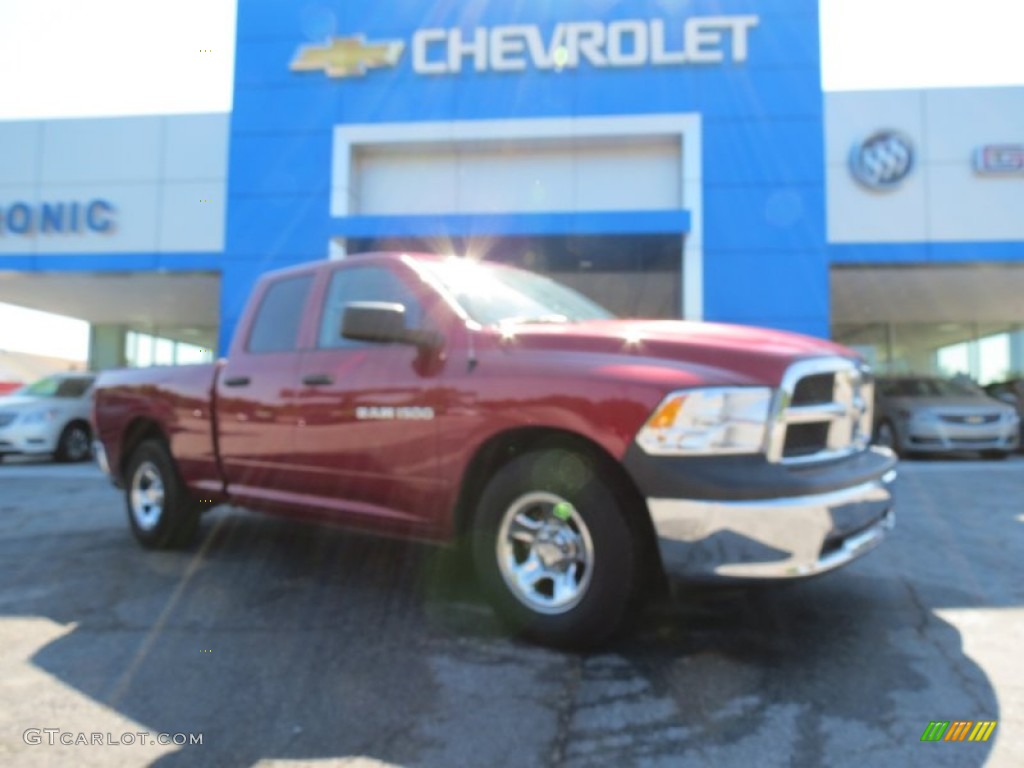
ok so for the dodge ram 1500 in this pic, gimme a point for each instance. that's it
(461, 402)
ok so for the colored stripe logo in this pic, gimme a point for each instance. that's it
(959, 730)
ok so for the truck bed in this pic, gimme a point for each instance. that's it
(177, 401)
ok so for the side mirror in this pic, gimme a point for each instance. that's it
(384, 322)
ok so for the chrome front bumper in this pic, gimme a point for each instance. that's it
(100, 454)
(771, 538)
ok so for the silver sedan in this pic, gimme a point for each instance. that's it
(919, 414)
(50, 416)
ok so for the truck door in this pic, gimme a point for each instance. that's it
(365, 444)
(255, 398)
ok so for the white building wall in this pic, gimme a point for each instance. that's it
(165, 176)
(943, 199)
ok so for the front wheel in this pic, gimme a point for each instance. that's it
(885, 436)
(554, 551)
(160, 511)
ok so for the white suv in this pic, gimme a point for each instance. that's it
(50, 416)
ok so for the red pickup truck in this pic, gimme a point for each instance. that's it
(455, 401)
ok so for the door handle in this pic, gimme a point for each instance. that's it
(317, 380)
(237, 381)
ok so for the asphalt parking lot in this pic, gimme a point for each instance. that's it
(283, 644)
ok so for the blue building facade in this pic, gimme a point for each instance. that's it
(672, 159)
(742, 77)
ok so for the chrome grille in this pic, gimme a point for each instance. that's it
(822, 411)
(974, 418)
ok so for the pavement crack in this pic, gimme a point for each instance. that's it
(565, 708)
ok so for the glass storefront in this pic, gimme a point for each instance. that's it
(985, 352)
(630, 275)
(146, 349)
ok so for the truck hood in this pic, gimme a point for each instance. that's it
(759, 355)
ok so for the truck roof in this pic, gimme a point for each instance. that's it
(309, 266)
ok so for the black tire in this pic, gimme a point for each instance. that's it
(606, 582)
(995, 455)
(74, 444)
(161, 513)
(887, 436)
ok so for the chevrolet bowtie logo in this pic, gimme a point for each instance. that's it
(347, 56)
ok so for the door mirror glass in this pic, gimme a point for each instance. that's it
(377, 321)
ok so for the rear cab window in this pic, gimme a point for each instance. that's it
(275, 327)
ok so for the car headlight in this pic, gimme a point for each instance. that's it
(1011, 417)
(708, 421)
(38, 417)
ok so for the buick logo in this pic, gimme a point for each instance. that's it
(882, 160)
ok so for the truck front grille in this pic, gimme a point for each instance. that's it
(805, 439)
(822, 411)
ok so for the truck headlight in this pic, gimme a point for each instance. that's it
(38, 417)
(717, 420)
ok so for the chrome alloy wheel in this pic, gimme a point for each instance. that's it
(77, 446)
(545, 552)
(147, 496)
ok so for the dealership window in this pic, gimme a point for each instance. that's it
(630, 275)
(985, 352)
(146, 349)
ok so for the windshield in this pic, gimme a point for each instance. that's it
(493, 294)
(929, 388)
(57, 386)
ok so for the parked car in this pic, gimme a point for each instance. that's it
(925, 414)
(1011, 392)
(50, 416)
(580, 457)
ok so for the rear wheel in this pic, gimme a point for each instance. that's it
(74, 443)
(554, 551)
(160, 511)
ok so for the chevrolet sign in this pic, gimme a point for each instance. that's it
(701, 40)
(346, 56)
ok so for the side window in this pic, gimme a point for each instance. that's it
(363, 284)
(276, 327)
